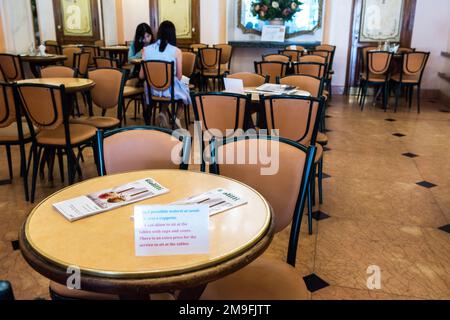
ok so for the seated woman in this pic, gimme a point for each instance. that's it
(165, 49)
(142, 38)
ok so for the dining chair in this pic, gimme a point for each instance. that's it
(58, 72)
(362, 67)
(107, 94)
(52, 47)
(377, 73)
(133, 91)
(99, 43)
(314, 69)
(81, 63)
(272, 69)
(211, 68)
(221, 115)
(297, 118)
(249, 79)
(94, 52)
(142, 148)
(70, 51)
(12, 67)
(189, 60)
(13, 131)
(267, 278)
(45, 106)
(277, 58)
(328, 55)
(295, 47)
(105, 62)
(159, 76)
(196, 46)
(315, 86)
(293, 54)
(412, 69)
(227, 55)
(405, 50)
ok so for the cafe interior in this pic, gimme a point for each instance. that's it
(224, 150)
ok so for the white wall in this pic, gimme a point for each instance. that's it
(213, 17)
(46, 19)
(134, 13)
(431, 33)
(17, 25)
(110, 22)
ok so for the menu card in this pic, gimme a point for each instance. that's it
(216, 200)
(171, 230)
(273, 33)
(105, 200)
(277, 88)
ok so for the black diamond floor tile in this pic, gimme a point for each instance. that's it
(319, 215)
(426, 184)
(445, 228)
(390, 120)
(445, 111)
(15, 245)
(328, 117)
(314, 282)
(410, 155)
(326, 149)
(400, 135)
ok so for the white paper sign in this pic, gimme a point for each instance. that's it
(234, 85)
(273, 33)
(171, 230)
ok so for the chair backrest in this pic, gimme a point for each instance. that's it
(378, 62)
(12, 68)
(414, 64)
(70, 52)
(159, 75)
(94, 51)
(44, 105)
(81, 61)
(326, 47)
(313, 58)
(227, 52)
(277, 57)
(108, 90)
(273, 69)
(220, 111)
(314, 69)
(58, 72)
(249, 79)
(313, 85)
(141, 148)
(323, 53)
(364, 51)
(297, 118)
(405, 50)
(104, 62)
(210, 58)
(52, 47)
(293, 54)
(285, 188)
(99, 43)
(196, 46)
(188, 63)
(7, 106)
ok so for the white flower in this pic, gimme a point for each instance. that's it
(275, 4)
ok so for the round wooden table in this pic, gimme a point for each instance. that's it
(72, 85)
(102, 246)
(37, 61)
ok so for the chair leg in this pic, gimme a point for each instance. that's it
(418, 99)
(36, 158)
(59, 153)
(320, 180)
(8, 153)
(23, 165)
(397, 96)
(364, 94)
(310, 230)
(410, 96)
(186, 116)
(70, 165)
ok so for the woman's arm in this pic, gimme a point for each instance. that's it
(179, 64)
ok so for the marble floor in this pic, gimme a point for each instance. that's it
(387, 204)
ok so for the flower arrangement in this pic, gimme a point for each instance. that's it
(279, 9)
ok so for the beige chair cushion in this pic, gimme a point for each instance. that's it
(406, 78)
(10, 133)
(322, 139)
(375, 77)
(78, 133)
(263, 279)
(129, 91)
(319, 153)
(98, 122)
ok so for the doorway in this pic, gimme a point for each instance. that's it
(377, 14)
(185, 14)
(77, 22)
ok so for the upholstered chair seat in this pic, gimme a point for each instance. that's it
(10, 133)
(97, 121)
(56, 137)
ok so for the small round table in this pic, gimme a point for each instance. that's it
(72, 85)
(102, 246)
(36, 61)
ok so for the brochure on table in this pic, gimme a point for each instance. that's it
(171, 230)
(105, 200)
(277, 88)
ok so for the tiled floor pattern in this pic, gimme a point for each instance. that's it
(386, 204)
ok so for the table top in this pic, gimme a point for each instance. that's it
(114, 48)
(71, 84)
(102, 246)
(48, 57)
(135, 61)
(255, 94)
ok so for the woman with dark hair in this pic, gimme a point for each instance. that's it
(165, 49)
(142, 38)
